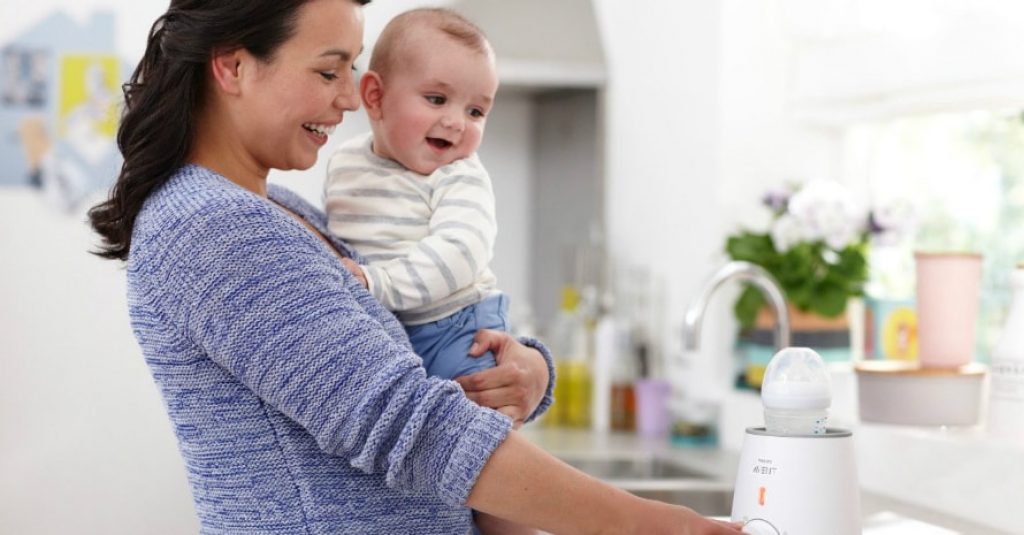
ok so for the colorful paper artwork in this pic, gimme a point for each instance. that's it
(87, 111)
(59, 108)
(25, 76)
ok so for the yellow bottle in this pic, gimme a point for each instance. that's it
(572, 393)
(572, 385)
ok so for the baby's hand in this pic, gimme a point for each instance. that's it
(352, 266)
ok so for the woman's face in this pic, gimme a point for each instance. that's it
(293, 103)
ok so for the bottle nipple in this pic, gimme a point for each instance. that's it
(796, 393)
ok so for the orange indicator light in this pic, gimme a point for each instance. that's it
(761, 492)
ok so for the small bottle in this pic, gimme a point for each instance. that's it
(560, 342)
(623, 393)
(572, 389)
(1006, 403)
(606, 349)
(623, 406)
(571, 349)
(796, 393)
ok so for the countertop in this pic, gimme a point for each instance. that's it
(881, 514)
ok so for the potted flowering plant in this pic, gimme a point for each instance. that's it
(816, 248)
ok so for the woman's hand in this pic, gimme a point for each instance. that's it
(516, 386)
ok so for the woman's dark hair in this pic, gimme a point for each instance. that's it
(165, 92)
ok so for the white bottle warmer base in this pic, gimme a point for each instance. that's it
(797, 484)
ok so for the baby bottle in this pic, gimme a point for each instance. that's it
(796, 393)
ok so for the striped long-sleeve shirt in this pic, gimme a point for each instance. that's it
(426, 240)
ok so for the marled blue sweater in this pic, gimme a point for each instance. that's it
(298, 404)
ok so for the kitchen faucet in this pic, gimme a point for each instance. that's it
(747, 272)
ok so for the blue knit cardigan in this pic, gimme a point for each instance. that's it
(298, 404)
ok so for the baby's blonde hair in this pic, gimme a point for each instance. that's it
(393, 39)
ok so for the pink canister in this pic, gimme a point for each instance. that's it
(948, 286)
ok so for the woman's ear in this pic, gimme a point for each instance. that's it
(227, 70)
(371, 91)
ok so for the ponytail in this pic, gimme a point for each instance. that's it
(155, 137)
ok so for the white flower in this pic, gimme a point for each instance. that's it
(826, 211)
(786, 232)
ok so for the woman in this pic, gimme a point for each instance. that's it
(296, 400)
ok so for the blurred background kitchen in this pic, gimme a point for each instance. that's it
(635, 149)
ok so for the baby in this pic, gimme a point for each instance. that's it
(413, 198)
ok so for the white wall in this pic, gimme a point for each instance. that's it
(662, 142)
(698, 126)
(85, 445)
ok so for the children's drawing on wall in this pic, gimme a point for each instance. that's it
(59, 110)
(88, 104)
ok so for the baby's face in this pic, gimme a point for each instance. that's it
(435, 104)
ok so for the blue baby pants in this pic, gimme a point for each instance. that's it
(444, 344)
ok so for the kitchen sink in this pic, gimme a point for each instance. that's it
(658, 478)
(706, 501)
(628, 467)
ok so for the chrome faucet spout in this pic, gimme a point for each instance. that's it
(746, 272)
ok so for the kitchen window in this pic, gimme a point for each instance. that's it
(964, 174)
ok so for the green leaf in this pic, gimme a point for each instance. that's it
(830, 300)
(746, 307)
(808, 281)
(751, 247)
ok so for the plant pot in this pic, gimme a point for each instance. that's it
(830, 337)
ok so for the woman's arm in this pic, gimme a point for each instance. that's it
(524, 483)
(265, 299)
